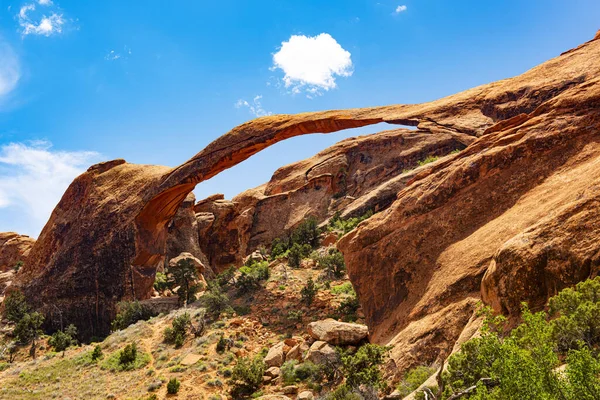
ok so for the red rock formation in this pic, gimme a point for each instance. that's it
(512, 218)
(13, 248)
(426, 253)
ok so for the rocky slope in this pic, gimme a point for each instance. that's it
(515, 208)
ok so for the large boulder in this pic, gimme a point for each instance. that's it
(276, 355)
(338, 333)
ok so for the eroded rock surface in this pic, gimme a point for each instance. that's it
(14, 248)
(338, 333)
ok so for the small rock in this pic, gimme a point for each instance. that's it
(273, 372)
(190, 359)
(305, 395)
(295, 353)
(267, 379)
(395, 395)
(292, 389)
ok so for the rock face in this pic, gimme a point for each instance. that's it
(338, 333)
(517, 203)
(183, 233)
(514, 217)
(13, 248)
(352, 177)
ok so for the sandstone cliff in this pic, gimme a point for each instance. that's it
(418, 266)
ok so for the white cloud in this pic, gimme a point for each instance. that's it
(255, 107)
(45, 25)
(33, 178)
(400, 9)
(10, 71)
(113, 55)
(311, 64)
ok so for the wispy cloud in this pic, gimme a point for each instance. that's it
(33, 178)
(400, 9)
(41, 24)
(255, 107)
(113, 55)
(10, 70)
(311, 64)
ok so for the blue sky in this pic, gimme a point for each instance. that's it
(156, 81)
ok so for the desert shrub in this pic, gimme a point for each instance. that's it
(225, 277)
(297, 253)
(577, 311)
(15, 306)
(223, 344)
(292, 372)
(161, 282)
(247, 376)
(177, 332)
(128, 359)
(129, 313)
(347, 310)
(333, 263)
(279, 247)
(128, 354)
(346, 225)
(522, 363)
(295, 316)
(61, 340)
(288, 372)
(427, 160)
(307, 233)
(414, 378)
(251, 276)
(242, 309)
(19, 264)
(215, 300)
(97, 353)
(309, 292)
(343, 392)
(344, 288)
(363, 367)
(173, 386)
(28, 330)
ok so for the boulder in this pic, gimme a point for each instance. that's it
(200, 268)
(305, 395)
(338, 333)
(321, 353)
(273, 372)
(276, 355)
(291, 389)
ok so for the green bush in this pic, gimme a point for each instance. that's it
(28, 330)
(347, 310)
(336, 223)
(333, 264)
(128, 355)
(15, 306)
(97, 353)
(62, 340)
(173, 386)
(251, 276)
(161, 282)
(223, 344)
(129, 313)
(225, 277)
(305, 236)
(413, 379)
(309, 292)
(246, 377)
(295, 316)
(521, 364)
(177, 332)
(344, 288)
(297, 253)
(427, 160)
(307, 232)
(215, 300)
(363, 367)
(343, 392)
(279, 247)
(18, 266)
